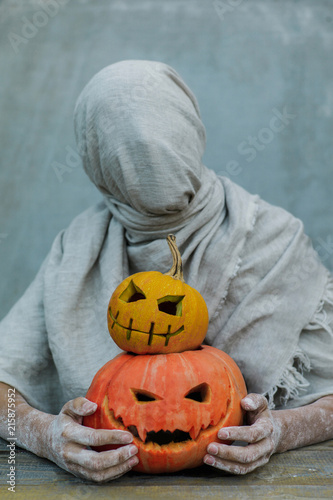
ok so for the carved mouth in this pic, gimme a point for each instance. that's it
(157, 439)
(129, 329)
(162, 437)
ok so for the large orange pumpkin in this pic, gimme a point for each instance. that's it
(173, 404)
(151, 312)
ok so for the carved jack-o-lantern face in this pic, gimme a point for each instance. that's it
(173, 404)
(151, 312)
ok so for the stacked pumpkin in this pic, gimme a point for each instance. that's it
(172, 393)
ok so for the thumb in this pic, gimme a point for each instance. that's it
(79, 407)
(255, 403)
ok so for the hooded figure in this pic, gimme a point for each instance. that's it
(269, 298)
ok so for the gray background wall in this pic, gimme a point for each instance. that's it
(246, 60)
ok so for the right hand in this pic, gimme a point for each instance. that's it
(67, 441)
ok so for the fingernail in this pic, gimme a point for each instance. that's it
(89, 406)
(133, 450)
(133, 462)
(212, 449)
(223, 434)
(249, 403)
(209, 460)
(127, 438)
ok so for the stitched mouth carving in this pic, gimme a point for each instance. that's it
(129, 329)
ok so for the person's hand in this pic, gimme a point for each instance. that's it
(262, 436)
(67, 440)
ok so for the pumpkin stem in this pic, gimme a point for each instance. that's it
(177, 267)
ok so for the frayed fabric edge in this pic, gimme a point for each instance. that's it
(225, 295)
(320, 319)
(292, 381)
(234, 274)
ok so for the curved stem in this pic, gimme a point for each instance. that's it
(177, 267)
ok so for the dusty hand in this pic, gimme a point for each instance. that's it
(262, 436)
(67, 439)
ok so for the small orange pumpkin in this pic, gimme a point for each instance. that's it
(151, 312)
(173, 404)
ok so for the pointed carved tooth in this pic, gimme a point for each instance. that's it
(194, 431)
(142, 432)
(115, 413)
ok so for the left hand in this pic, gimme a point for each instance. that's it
(262, 436)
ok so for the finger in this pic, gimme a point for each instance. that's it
(241, 454)
(248, 433)
(254, 403)
(116, 471)
(232, 467)
(102, 476)
(99, 461)
(79, 407)
(88, 436)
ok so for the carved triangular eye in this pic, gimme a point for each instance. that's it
(144, 396)
(171, 304)
(132, 293)
(201, 393)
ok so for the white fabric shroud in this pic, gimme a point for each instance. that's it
(141, 139)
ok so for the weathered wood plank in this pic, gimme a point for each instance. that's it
(304, 473)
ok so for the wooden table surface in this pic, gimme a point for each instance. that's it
(303, 473)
